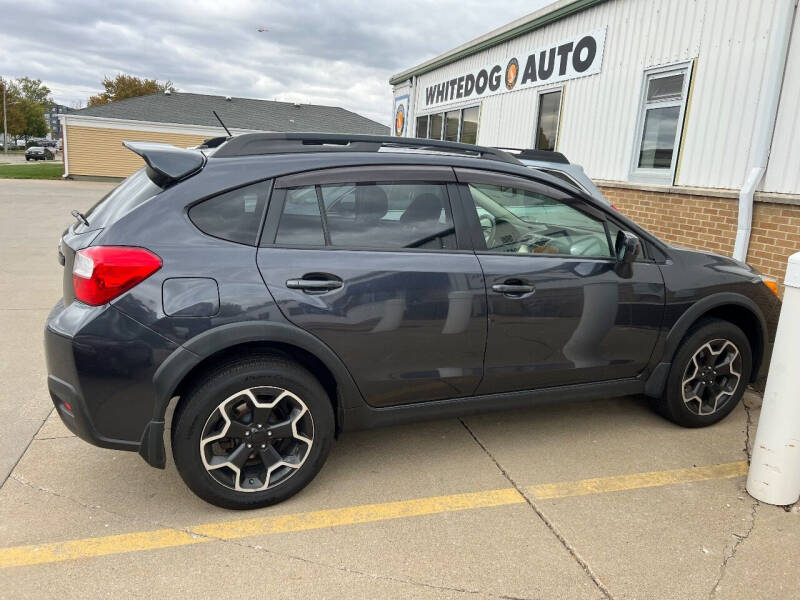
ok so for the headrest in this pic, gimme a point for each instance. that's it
(424, 209)
(371, 203)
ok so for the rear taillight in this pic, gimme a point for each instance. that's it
(101, 273)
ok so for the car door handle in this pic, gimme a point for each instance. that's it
(513, 289)
(314, 285)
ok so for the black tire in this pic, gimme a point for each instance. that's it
(194, 413)
(712, 332)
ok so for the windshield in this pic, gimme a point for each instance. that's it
(129, 194)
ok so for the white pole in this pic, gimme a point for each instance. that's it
(774, 475)
(5, 121)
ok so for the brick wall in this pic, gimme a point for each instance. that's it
(709, 223)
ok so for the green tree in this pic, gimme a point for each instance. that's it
(16, 109)
(34, 90)
(34, 99)
(128, 86)
(35, 123)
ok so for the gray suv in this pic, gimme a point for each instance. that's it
(282, 289)
(557, 165)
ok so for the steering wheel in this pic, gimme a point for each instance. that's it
(589, 246)
(489, 228)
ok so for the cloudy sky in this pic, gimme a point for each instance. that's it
(323, 52)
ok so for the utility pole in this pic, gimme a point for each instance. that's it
(5, 121)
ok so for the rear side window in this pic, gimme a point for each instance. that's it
(234, 216)
(368, 215)
(129, 194)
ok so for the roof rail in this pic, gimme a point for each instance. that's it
(531, 154)
(284, 143)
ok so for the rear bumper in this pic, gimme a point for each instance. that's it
(100, 367)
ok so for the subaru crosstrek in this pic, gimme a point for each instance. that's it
(283, 288)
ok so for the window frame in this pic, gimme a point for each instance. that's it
(650, 175)
(386, 175)
(540, 93)
(443, 113)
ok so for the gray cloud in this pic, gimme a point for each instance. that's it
(324, 52)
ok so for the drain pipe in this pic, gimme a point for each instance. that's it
(766, 114)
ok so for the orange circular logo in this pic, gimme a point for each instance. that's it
(400, 120)
(512, 71)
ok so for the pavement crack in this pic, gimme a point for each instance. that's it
(544, 518)
(22, 481)
(359, 573)
(25, 449)
(747, 428)
(729, 556)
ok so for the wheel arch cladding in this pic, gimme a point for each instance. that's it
(734, 308)
(228, 342)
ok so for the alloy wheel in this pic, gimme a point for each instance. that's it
(712, 377)
(256, 438)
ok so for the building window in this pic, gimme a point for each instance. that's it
(437, 121)
(660, 123)
(469, 125)
(451, 123)
(453, 126)
(422, 127)
(547, 121)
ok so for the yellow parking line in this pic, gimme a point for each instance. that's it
(17, 556)
(635, 481)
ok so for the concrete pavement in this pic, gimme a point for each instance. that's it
(447, 509)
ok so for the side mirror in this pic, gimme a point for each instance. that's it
(627, 248)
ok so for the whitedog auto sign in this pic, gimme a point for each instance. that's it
(577, 57)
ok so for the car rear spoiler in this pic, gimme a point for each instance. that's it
(167, 164)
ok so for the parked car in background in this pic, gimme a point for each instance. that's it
(557, 165)
(39, 153)
(280, 289)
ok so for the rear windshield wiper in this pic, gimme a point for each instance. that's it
(79, 217)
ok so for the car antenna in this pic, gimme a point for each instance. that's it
(221, 123)
(79, 216)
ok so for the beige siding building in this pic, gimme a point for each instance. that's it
(93, 137)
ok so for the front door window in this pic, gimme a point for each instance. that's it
(527, 222)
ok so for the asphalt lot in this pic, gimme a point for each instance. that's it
(588, 500)
(19, 159)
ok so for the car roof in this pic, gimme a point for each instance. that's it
(277, 165)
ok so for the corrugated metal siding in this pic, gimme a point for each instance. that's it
(98, 152)
(783, 174)
(728, 41)
(727, 86)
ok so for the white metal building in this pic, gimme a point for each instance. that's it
(706, 58)
(679, 96)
